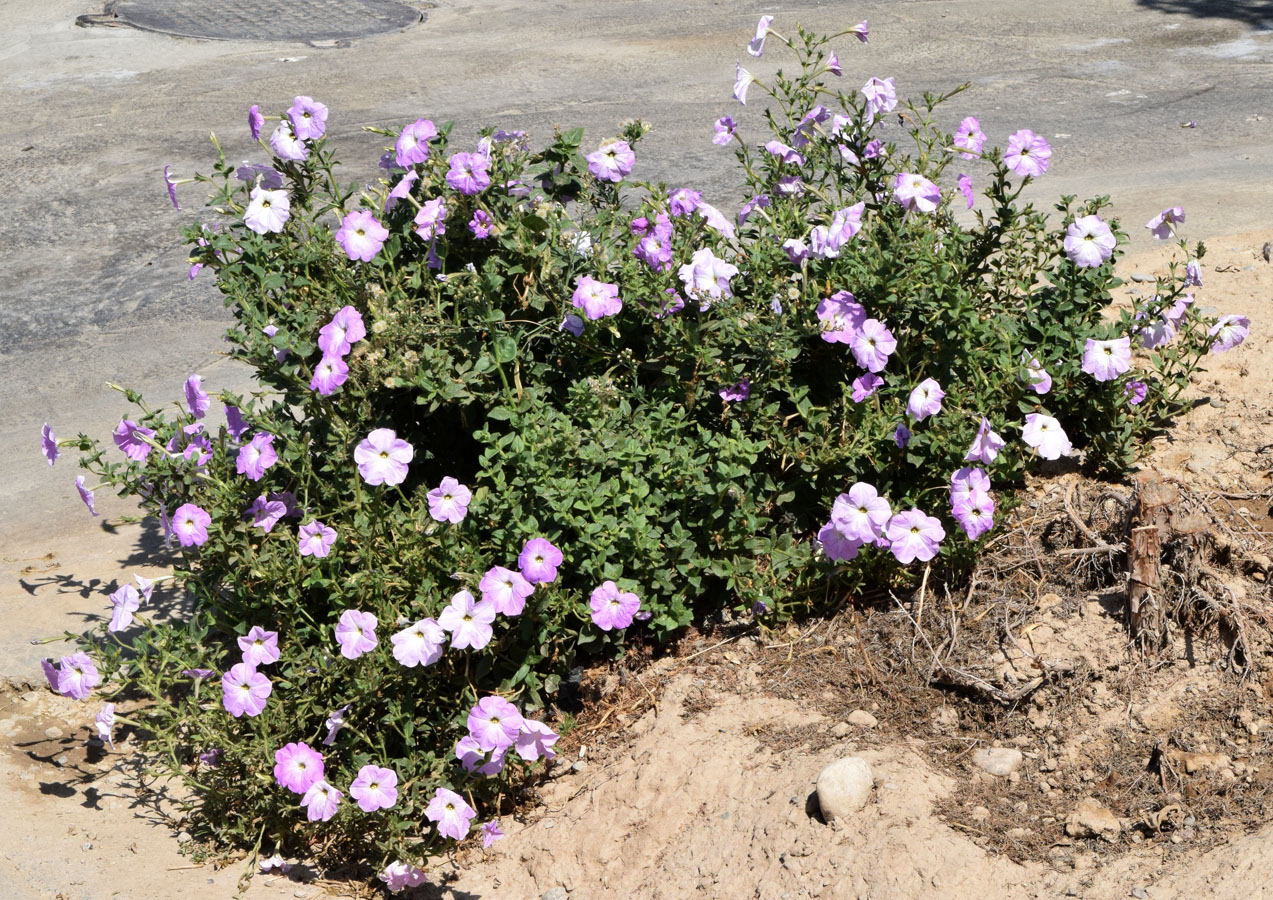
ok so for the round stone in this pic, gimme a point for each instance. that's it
(844, 787)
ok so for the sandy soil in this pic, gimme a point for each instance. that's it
(708, 791)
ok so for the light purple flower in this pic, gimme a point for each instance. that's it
(105, 724)
(125, 601)
(861, 514)
(382, 457)
(315, 539)
(1028, 154)
(539, 560)
(975, 514)
(77, 676)
(255, 121)
(172, 187)
(736, 393)
(536, 741)
(132, 439)
(345, 329)
(1163, 225)
(430, 221)
(190, 525)
(321, 801)
(726, 127)
(85, 494)
(266, 513)
(1106, 360)
(1193, 273)
(925, 400)
(468, 173)
(196, 398)
(860, 31)
(211, 758)
(1089, 242)
(785, 153)
(469, 621)
(361, 236)
(451, 814)
(965, 188)
(401, 189)
(335, 722)
(494, 723)
(297, 767)
(865, 385)
(491, 832)
(398, 876)
(757, 44)
(842, 317)
(914, 535)
(759, 201)
(838, 546)
(198, 674)
(966, 482)
(715, 219)
(449, 501)
(286, 145)
(797, 250)
(375, 788)
(255, 174)
(741, 83)
(901, 436)
(256, 456)
(596, 298)
(790, 186)
(356, 633)
(916, 193)
(480, 225)
(572, 323)
(420, 644)
(244, 691)
(612, 162)
(613, 608)
(986, 445)
(1045, 435)
(268, 211)
(259, 647)
(412, 145)
(505, 590)
(1158, 332)
(1136, 391)
(474, 759)
(330, 373)
(706, 277)
(683, 201)
(308, 118)
(655, 247)
(48, 444)
(1035, 375)
(50, 673)
(1179, 310)
(1229, 331)
(881, 97)
(833, 61)
(969, 139)
(234, 422)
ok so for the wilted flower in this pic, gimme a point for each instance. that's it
(85, 494)
(105, 724)
(255, 121)
(901, 436)
(48, 444)
(491, 832)
(1136, 391)
(1193, 273)
(965, 188)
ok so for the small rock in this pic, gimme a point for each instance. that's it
(1138, 893)
(862, 718)
(1199, 762)
(999, 761)
(578, 766)
(557, 893)
(86, 846)
(52, 732)
(979, 814)
(1090, 819)
(843, 788)
(840, 729)
(1141, 277)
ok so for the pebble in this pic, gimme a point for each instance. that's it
(1138, 893)
(53, 732)
(86, 846)
(1141, 277)
(863, 719)
(999, 761)
(979, 814)
(557, 893)
(579, 766)
(1090, 819)
(843, 787)
(840, 729)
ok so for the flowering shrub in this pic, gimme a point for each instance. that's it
(518, 408)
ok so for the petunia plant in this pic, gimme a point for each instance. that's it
(518, 408)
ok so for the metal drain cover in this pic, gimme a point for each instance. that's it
(265, 20)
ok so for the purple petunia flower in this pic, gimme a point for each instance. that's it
(736, 393)
(356, 633)
(420, 644)
(382, 457)
(596, 298)
(297, 767)
(967, 482)
(1135, 392)
(375, 788)
(172, 187)
(1229, 331)
(1193, 273)
(196, 399)
(914, 535)
(1045, 435)
(190, 525)
(612, 162)
(104, 721)
(785, 153)
(50, 673)
(969, 138)
(1035, 375)
(683, 201)
(468, 173)
(494, 723)
(361, 236)
(1164, 224)
(48, 443)
(308, 118)
(759, 201)
(861, 514)
(742, 82)
(85, 494)
(286, 145)
(430, 221)
(726, 127)
(255, 121)
(925, 400)
(986, 445)
(833, 63)
(256, 456)
(449, 501)
(1106, 360)
(881, 97)
(757, 44)
(316, 539)
(125, 601)
(345, 329)
(860, 31)
(706, 277)
(259, 647)
(536, 741)
(321, 801)
(1089, 242)
(77, 676)
(842, 317)
(468, 621)
(412, 145)
(398, 876)
(401, 189)
(491, 832)
(974, 514)
(330, 373)
(255, 174)
(244, 691)
(965, 188)
(865, 385)
(572, 323)
(505, 590)
(1028, 154)
(613, 608)
(268, 211)
(132, 439)
(797, 250)
(335, 722)
(539, 560)
(1158, 332)
(198, 674)
(480, 225)
(451, 814)
(474, 759)
(915, 193)
(234, 422)
(901, 436)
(838, 546)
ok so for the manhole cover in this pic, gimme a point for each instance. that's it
(264, 20)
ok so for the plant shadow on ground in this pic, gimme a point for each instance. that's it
(1257, 13)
